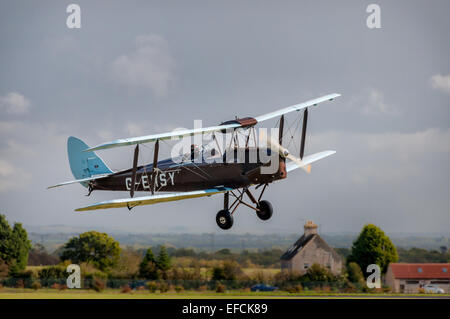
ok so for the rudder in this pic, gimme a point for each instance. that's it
(84, 164)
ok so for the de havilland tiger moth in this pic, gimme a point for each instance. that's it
(194, 176)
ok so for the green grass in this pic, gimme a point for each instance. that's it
(17, 293)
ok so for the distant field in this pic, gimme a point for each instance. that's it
(265, 271)
(16, 293)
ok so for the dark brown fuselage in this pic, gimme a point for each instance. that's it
(190, 176)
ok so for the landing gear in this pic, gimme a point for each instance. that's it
(224, 219)
(90, 189)
(265, 210)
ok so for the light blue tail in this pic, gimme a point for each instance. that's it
(84, 164)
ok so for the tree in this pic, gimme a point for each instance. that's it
(52, 274)
(164, 262)
(14, 245)
(355, 273)
(148, 268)
(4, 269)
(224, 251)
(5, 240)
(317, 273)
(128, 265)
(20, 246)
(39, 256)
(229, 270)
(218, 273)
(373, 247)
(93, 247)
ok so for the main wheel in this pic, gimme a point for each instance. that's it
(265, 210)
(224, 219)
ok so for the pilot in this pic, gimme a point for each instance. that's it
(195, 150)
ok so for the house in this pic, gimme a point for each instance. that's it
(409, 278)
(311, 249)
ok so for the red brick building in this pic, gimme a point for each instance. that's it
(409, 278)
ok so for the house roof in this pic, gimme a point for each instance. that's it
(418, 271)
(297, 246)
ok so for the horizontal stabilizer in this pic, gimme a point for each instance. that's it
(153, 199)
(307, 160)
(83, 180)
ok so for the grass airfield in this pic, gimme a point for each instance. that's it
(18, 293)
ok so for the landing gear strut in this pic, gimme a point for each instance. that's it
(263, 208)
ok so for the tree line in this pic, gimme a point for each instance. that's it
(104, 263)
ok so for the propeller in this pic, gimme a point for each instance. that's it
(284, 152)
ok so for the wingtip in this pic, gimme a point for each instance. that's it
(330, 152)
(334, 95)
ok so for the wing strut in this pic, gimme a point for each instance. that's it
(154, 167)
(281, 159)
(305, 121)
(133, 173)
(280, 132)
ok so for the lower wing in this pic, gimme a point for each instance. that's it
(153, 199)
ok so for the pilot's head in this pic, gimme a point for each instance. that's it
(194, 150)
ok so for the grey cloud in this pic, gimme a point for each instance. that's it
(149, 66)
(371, 102)
(441, 82)
(14, 103)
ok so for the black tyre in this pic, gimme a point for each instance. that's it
(265, 210)
(224, 219)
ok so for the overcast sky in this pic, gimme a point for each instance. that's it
(142, 67)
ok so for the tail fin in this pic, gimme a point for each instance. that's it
(84, 164)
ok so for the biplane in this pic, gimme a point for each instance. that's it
(192, 175)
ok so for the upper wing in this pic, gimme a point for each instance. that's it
(307, 160)
(81, 180)
(181, 133)
(297, 107)
(162, 136)
(152, 199)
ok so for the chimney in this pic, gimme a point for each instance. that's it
(310, 228)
